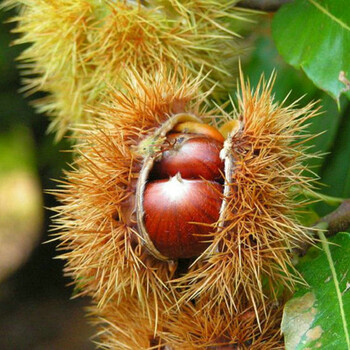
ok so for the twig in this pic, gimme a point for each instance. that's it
(336, 221)
(263, 5)
(330, 200)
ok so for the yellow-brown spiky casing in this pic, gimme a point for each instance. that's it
(248, 261)
(251, 253)
(247, 328)
(104, 253)
(126, 327)
(79, 48)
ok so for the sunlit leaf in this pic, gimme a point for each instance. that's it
(315, 35)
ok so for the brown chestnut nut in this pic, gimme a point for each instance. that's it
(178, 214)
(193, 156)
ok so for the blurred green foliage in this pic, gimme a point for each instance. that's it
(29, 160)
(19, 120)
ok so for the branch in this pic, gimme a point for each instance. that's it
(263, 5)
(336, 221)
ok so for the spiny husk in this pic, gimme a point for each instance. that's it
(105, 254)
(79, 48)
(247, 328)
(248, 262)
(258, 228)
(125, 326)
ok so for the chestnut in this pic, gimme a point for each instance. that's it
(180, 189)
(178, 214)
(193, 156)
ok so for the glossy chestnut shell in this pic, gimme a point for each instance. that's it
(193, 156)
(178, 214)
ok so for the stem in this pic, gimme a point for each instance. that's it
(263, 5)
(333, 201)
(336, 221)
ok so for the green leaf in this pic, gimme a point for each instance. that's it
(315, 35)
(318, 316)
(265, 59)
(336, 171)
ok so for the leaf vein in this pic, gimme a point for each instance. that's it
(327, 13)
(336, 283)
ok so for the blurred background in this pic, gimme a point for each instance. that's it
(36, 311)
(35, 307)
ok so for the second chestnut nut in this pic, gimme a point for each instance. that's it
(193, 156)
